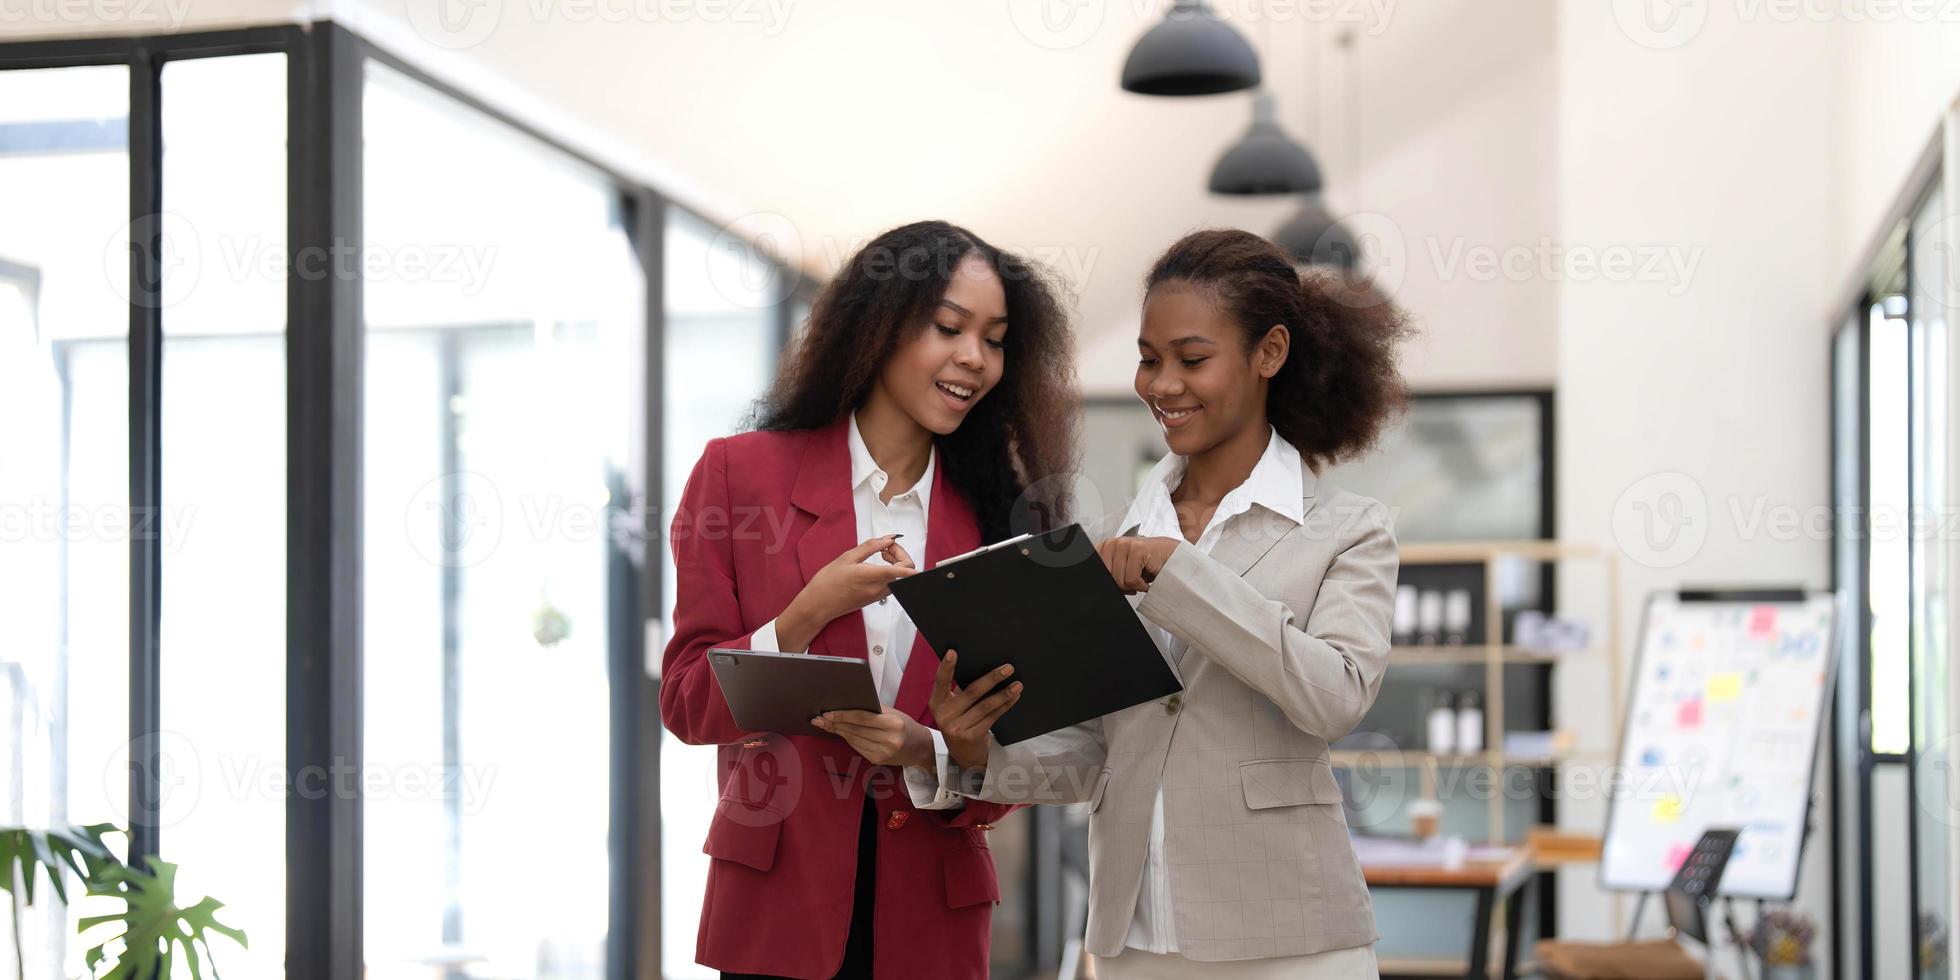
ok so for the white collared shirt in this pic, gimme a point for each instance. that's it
(888, 629)
(1274, 484)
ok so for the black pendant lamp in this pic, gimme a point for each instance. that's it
(1314, 237)
(1191, 53)
(1265, 160)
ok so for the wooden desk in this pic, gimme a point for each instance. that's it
(1490, 881)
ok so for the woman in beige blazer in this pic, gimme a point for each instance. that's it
(1216, 839)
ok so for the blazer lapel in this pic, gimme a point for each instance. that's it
(823, 490)
(951, 529)
(1260, 529)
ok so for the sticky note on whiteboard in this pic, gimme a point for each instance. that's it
(1667, 809)
(1762, 621)
(1725, 687)
(1677, 853)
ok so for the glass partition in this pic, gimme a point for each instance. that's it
(222, 670)
(504, 309)
(64, 475)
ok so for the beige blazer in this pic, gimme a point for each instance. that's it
(1287, 627)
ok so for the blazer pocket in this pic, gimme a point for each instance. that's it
(970, 877)
(1288, 782)
(744, 834)
(1102, 787)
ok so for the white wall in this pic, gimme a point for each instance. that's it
(1897, 79)
(1713, 390)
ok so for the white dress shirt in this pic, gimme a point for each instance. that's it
(888, 629)
(1275, 485)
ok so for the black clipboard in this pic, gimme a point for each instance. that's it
(1048, 606)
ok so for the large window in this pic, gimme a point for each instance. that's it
(501, 329)
(326, 428)
(64, 480)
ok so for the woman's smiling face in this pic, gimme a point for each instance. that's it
(939, 373)
(1194, 370)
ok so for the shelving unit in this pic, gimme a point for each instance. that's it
(1495, 654)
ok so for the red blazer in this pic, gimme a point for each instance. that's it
(763, 511)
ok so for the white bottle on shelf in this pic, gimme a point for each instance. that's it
(1442, 725)
(1456, 617)
(1403, 632)
(1429, 618)
(1469, 724)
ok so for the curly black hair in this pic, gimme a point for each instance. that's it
(1339, 387)
(1011, 457)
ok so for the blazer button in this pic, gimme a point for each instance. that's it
(896, 820)
(1172, 703)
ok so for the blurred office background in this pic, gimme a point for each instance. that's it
(352, 355)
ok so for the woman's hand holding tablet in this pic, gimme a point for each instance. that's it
(884, 738)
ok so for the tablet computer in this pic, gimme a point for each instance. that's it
(780, 692)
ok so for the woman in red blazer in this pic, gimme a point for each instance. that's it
(916, 415)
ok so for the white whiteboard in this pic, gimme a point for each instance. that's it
(1721, 731)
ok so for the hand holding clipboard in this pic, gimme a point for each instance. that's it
(1046, 606)
(967, 714)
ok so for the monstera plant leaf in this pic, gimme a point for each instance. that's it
(154, 926)
(25, 852)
